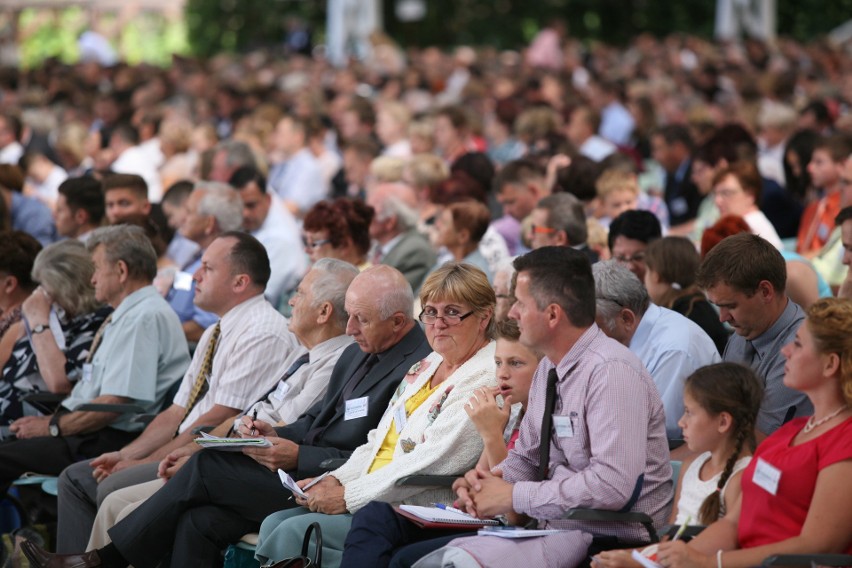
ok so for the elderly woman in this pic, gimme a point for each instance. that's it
(339, 229)
(795, 492)
(61, 318)
(425, 428)
(736, 191)
(18, 251)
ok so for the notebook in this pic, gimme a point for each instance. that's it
(433, 517)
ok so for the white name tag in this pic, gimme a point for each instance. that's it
(356, 408)
(564, 427)
(281, 391)
(767, 476)
(400, 418)
(183, 281)
(87, 373)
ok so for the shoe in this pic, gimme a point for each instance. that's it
(40, 558)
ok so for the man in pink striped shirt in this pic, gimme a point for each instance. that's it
(607, 448)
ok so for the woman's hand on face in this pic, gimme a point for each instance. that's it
(36, 308)
(484, 412)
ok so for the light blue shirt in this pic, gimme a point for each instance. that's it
(182, 301)
(672, 347)
(142, 353)
(299, 179)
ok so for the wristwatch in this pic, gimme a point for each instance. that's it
(40, 328)
(53, 426)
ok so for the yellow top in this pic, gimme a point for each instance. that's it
(385, 454)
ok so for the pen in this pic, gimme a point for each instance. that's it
(452, 509)
(682, 528)
(253, 418)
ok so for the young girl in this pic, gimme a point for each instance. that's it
(720, 408)
(670, 267)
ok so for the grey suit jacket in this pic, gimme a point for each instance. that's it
(412, 255)
(341, 436)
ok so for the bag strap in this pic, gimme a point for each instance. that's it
(313, 527)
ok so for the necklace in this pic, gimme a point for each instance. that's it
(811, 423)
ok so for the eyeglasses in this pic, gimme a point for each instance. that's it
(613, 300)
(315, 244)
(449, 318)
(635, 257)
(539, 230)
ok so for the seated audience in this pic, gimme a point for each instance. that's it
(736, 190)
(460, 228)
(629, 236)
(339, 229)
(79, 207)
(18, 251)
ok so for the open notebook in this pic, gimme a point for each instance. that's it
(433, 517)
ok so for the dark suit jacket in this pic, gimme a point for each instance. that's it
(412, 255)
(341, 436)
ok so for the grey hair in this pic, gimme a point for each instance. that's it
(64, 270)
(393, 292)
(565, 213)
(223, 203)
(392, 206)
(331, 286)
(129, 244)
(615, 288)
(237, 153)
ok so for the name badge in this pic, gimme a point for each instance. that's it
(183, 281)
(87, 373)
(356, 408)
(281, 391)
(564, 426)
(767, 476)
(400, 418)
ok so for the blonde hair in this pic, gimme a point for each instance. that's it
(616, 180)
(462, 282)
(427, 170)
(830, 323)
(386, 169)
(398, 112)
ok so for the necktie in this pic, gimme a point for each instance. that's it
(96, 341)
(547, 423)
(287, 374)
(345, 393)
(199, 388)
(749, 353)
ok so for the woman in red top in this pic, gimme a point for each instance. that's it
(795, 493)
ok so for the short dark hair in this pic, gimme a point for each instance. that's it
(637, 225)
(248, 256)
(566, 213)
(244, 175)
(86, 193)
(18, 251)
(675, 134)
(178, 192)
(579, 178)
(742, 262)
(134, 183)
(561, 276)
(844, 215)
(518, 172)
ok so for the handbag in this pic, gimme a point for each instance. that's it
(303, 561)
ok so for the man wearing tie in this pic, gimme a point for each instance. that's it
(746, 277)
(594, 433)
(216, 497)
(237, 360)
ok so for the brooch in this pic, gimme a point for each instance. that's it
(407, 445)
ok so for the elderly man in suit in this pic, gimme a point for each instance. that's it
(396, 240)
(217, 496)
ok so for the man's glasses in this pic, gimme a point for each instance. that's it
(635, 257)
(540, 230)
(450, 317)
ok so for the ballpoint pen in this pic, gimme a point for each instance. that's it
(682, 528)
(253, 418)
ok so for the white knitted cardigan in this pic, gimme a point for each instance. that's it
(437, 439)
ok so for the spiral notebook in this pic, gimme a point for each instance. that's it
(433, 517)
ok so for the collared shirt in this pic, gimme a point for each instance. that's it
(299, 180)
(617, 457)
(306, 386)
(768, 363)
(281, 238)
(671, 347)
(254, 345)
(142, 353)
(32, 216)
(617, 123)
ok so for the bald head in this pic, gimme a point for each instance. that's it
(380, 306)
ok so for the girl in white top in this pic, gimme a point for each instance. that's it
(721, 402)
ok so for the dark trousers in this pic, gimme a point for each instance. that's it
(213, 500)
(379, 537)
(50, 456)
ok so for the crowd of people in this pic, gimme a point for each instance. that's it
(550, 274)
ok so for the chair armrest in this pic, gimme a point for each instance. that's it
(808, 560)
(117, 408)
(199, 429)
(44, 397)
(614, 516)
(690, 532)
(419, 480)
(332, 463)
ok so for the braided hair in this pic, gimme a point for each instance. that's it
(735, 389)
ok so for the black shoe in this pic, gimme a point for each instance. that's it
(40, 558)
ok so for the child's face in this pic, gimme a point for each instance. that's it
(619, 201)
(656, 287)
(515, 368)
(700, 429)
